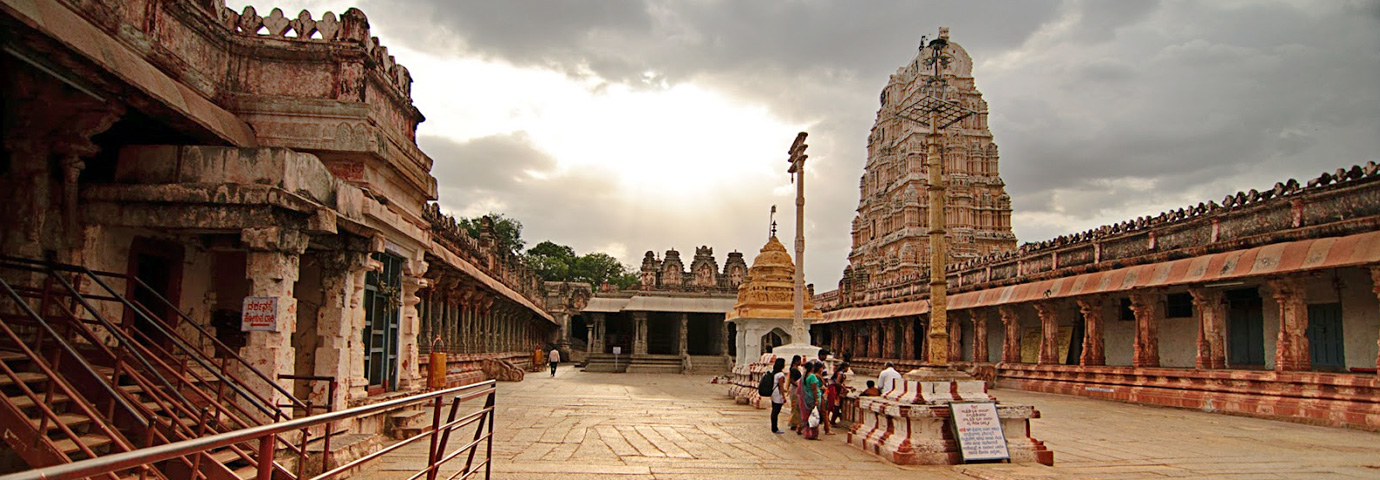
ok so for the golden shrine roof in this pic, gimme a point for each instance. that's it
(769, 288)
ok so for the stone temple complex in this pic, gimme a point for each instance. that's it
(1262, 304)
(672, 321)
(889, 233)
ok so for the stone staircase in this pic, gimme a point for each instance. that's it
(655, 364)
(604, 363)
(707, 365)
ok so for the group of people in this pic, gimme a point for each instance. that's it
(814, 391)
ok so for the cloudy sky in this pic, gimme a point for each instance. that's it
(627, 126)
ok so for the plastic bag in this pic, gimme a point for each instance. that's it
(814, 418)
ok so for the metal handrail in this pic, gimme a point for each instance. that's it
(67, 347)
(142, 353)
(265, 434)
(263, 404)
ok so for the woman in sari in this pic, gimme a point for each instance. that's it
(810, 397)
(793, 394)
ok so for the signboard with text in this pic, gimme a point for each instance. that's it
(259, 314)
(979, 431)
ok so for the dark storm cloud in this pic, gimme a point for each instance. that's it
(1103, 110)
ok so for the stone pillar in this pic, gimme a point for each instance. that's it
(409, 356)
(1094, 352)
(874, 347)
(339, 326)
(684, 330)
(1149, 309)
(887, 339)
(723, 337)
(640, 333)
(272, 270)
(596, 333)
(1291, 347)
(1011, 341)
(908, 343)
(1211, 307)
(979, 319)
(956, 337)
(1375, 288)
(50, 132)
(1049, 332)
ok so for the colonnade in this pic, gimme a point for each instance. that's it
(468, 320)
(876, 338)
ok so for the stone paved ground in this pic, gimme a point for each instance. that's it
(633, 427)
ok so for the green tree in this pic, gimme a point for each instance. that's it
(597, 268)
(551, 261)
(507, 230)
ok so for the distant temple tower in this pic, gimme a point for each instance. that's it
(889, 240)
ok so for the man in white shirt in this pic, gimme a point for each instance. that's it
(889, 378)
(553, 358)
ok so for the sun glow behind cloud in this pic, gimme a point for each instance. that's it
(659, 143)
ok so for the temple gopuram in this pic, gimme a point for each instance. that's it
(672, 321)
(890, 242)
(234, 204)
(1263, 304)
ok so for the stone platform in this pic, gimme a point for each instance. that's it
(912, 424)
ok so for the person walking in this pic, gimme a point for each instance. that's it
(810, 400)
(792, 393)
(553, 358)
(778, 392)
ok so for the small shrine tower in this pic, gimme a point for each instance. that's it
(765, 309)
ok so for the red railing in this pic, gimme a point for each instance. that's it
(157, 372)
(439, 433)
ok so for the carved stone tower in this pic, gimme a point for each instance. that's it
(889, 231)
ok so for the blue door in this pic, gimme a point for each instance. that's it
(382, 302)
(1325, 335)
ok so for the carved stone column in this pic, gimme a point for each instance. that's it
(684, 331)
(640, 336)
(47, 132)
(409, 355)
(1011, 341)
(1211, 307)
(908, 343)
(1049, 332)
(979, 319)
(272, 270)
(888, 345)
(1291, 347)
(956, 336)
(1094, 352)
(339, 323)
(1149, 310)
(1375, 288)
(874, 347)
(596, 333)
(723, 339)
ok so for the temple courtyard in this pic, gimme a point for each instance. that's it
(582, 425)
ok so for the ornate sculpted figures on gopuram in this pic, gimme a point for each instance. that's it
(892, 226)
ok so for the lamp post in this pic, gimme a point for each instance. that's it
(937, 113)
(797, 161)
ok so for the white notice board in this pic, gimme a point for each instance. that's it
(979, 431)
(259, 314)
